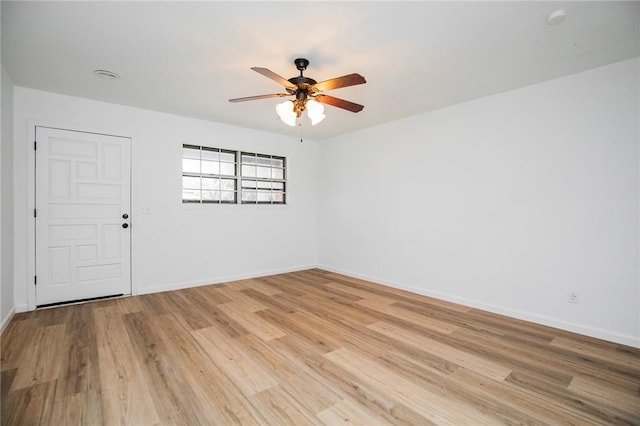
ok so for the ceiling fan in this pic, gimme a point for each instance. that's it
(308, 94)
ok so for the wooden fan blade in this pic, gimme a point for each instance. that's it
(339, 82)
(253, 98)
(340, 103)
(275, 77)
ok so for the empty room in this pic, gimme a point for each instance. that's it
(320, 213)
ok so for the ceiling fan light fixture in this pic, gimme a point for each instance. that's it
(286, 113)
(315, 111)
(317, 119)
(305, 89)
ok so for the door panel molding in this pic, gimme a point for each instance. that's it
(80, 194)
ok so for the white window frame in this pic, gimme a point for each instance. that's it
(264, 177)
(208, 177)
(258, 181)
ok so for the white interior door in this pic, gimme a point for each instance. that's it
(82, 216)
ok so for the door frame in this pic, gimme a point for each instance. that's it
(31, 200)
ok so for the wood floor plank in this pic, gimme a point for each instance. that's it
(284, 286)
(411, 316)
(530, 406)
(208, 312)
(208, 293)
(257, 285)
(396, 294)
(171, 396)
(323, 291)
(557, 364)
(293, 380)
(228, 355)
(80, 369)
(606, 395)
(626, 360)
(441, 382)
(452, 318)
(43, 358)
(305, 348)
(250, 321)
(16, 341)
(515, 326)
(216, 399)
(281, 408)
(129, 305)
(82, 408)
(331, 384)
(565, 404)
(346, 412)
(304, 359)
(461, 358)
(324, 308)
(124, 394)
(275, 304)
(428, 404)
(376, 400)
(377, 303)
(362, 293)
(6, 379)
(192, 310)
(236, 295)
(54, 316)
(30, 405)
(320, 332)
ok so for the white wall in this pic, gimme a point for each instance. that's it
(175, 245)
(6, 200)
(507, 203)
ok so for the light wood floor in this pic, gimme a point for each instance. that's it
(310, 347)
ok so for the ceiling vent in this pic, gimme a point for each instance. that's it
(106, 75)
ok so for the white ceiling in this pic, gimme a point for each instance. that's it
(189, 58)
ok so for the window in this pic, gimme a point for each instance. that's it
(209, 175)
(214, 175)
(262, 179)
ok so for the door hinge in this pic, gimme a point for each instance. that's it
(35, 145)
(35, 213)
(35, 280)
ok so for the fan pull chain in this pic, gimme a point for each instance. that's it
(301, 133)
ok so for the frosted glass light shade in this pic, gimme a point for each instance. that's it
(286, 114)
(315, 111)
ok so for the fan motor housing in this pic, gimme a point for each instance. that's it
(301, 80)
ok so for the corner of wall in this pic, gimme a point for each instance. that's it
(6, 319)
(7, 303)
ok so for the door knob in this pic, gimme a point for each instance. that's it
(125, 225)
(125, 216)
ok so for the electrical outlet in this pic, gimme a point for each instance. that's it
(573, 297)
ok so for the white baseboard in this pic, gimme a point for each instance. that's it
(7, 318)
(220, 280)
(22, 308)
(513, 313)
